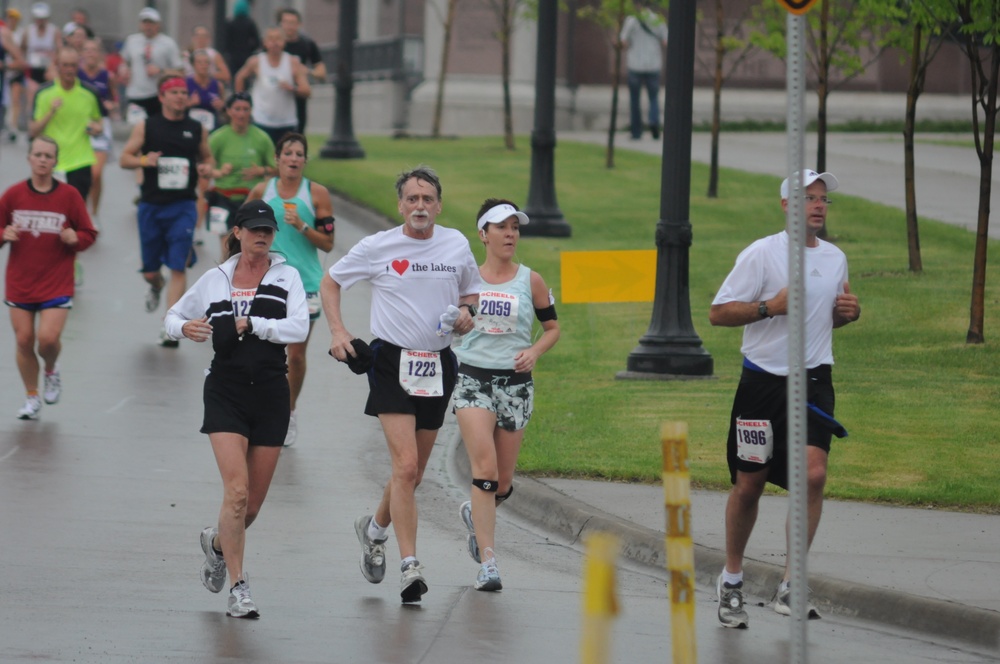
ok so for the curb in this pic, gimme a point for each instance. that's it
(559, 514)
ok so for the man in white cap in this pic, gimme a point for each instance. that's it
(755, 296)
(40, 43)
(146, 55)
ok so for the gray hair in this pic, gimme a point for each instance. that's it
(422, 172)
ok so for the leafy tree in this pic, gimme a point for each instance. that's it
(842, 39)
(731, 49)
(978, 33)
(506, 12)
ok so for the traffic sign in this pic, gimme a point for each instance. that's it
(797, 7)
(608, 276)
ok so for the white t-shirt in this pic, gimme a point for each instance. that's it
(761, 271)
(273, 106)
(413, 282)
(137, 52)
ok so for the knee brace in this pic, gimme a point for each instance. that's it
(502, 497)
(485, 485)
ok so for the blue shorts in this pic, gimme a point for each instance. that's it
(166, 235)
(64, 302)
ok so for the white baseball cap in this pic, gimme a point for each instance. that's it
(149, 14)
(810, 176)
(499, 213)
(40, 10)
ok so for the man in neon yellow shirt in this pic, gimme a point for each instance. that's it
(69, 112)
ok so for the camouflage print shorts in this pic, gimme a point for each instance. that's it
(511, 403)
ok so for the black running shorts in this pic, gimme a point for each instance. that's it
(386, 395)
(258, 412)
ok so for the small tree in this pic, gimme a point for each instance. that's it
(447, 21)
(727, 43)
(506, 12)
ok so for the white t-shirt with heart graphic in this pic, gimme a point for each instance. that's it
(413, 282)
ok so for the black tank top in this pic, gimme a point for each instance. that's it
(175, 176)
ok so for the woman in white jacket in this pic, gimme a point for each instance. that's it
(251, 306)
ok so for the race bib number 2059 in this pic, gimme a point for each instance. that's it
(754, 440)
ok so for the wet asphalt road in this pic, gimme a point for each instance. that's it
(102, 501)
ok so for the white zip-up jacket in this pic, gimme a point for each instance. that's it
(278, 315)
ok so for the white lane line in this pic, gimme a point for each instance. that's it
(9, 454)
(119, 405)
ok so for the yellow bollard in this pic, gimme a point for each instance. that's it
(600, 603)
(680, 550)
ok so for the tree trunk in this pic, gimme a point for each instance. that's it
(822, 91)
(977, 310)
(913, 91)
(507, 27)
(720, 53)
(445, 51)
(616, 78)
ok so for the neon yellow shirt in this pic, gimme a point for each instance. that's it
(68, 127)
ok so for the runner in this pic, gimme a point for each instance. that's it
(494, 396)
(279, 79)
(46, 224)
(305, 210)
(250, 307)
(94, 73)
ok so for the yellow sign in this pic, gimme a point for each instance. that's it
(608, 276)
(797, 7)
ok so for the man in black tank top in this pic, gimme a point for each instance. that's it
(172, 149)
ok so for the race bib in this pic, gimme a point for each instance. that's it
(312, 301)
(206, 118)
(172, 172)
(135, 114)
(242, 299)
(217, 217)
(497, 313)
(37, 60)
(420, 373)
(754, 440)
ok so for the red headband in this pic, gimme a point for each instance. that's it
(175, 82)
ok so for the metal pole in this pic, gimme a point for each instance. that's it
(342, 144)
(543, 209)
(671, 347)
(795, 224)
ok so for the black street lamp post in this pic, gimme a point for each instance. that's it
(542, 207)
(342, 144)
(671, 347)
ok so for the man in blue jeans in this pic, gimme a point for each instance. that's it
(644, 35)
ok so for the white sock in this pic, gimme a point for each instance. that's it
(730, 578)
(375, 531)
(406, 561)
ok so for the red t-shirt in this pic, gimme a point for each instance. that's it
(40, 265)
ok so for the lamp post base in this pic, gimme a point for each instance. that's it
(345, 148)
(667, 361)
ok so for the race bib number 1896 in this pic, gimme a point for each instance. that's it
(754, 440)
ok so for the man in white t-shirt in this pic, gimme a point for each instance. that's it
(146, 56)
(419, 273)
(755, 296)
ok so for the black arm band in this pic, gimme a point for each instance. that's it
(325, 224)
(548, 313)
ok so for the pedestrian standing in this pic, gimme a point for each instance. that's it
(46, 224)
(416, 271)
(172, 151)
(250, 307)
(494, 397)
(306, 50)
(305, 210)
(644, 34)
(279, 78)
(755, 296)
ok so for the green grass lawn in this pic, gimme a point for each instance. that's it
(919, 403)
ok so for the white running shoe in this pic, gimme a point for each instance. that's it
(31, 409)
(731, 611)
(153, 299)
(412, 584)
(783, 599)
(489, 576)
(213, 570)
(293, 430)
(241, 604)
(372, 551)
(53, 386)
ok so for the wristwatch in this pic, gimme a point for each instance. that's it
(762, 309)
(471, 307)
